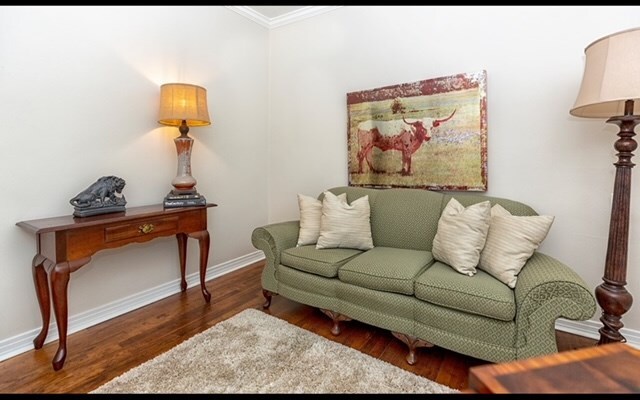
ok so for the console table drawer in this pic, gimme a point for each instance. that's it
(140, 228)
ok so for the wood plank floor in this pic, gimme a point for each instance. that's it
(104, 351)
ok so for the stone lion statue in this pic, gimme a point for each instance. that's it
(106, 191)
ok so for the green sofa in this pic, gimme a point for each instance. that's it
(398, 286)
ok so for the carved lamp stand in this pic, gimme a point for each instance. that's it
(183, 105)
(610, 88)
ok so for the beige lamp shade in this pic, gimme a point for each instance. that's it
(611, 76)
(182, 101)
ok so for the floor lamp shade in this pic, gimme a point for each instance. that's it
(611, 76)
(611, 89)
(183, 105)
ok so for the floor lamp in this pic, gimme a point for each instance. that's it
(611, 89)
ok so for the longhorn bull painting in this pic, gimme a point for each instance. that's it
(401, 135)
(429, 134)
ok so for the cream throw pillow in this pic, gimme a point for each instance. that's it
(310, 214)
(461, 235)
(511, 242)
(345, 225)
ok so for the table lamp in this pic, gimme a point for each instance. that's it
(183, 105)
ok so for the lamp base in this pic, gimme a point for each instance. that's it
(611, 294)
(181, 198)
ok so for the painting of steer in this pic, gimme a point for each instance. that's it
(402, 135)
(429, 134)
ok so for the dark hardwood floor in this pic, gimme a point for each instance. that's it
(104, 351)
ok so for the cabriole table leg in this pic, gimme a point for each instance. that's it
(42, 292)
(203, 241)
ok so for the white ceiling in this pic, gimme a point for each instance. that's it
(275, 16)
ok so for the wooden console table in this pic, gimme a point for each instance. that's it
(608, 368)
(65, 244)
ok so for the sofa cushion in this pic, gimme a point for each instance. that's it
(461, 234)
(310, 214)
(345, 225)
(386, 268)
(511, 242)
(320, 262)
(480, 294)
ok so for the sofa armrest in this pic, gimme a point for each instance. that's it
(272, 239)
(546, 290)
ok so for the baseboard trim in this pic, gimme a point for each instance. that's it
(23, 342)
(590, 329)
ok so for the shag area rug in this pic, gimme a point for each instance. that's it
(253, 352)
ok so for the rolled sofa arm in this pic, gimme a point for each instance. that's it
(272, 239)
(546, 290)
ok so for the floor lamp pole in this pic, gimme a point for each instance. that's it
(612, 296)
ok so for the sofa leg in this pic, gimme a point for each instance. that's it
(267, 295)
(336, 317)
(413, 342)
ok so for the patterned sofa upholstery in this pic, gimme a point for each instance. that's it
(398, 285)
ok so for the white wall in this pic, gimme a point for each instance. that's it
(79, 100)
(537, 152)
(80, 88)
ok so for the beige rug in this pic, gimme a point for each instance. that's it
(253, 352)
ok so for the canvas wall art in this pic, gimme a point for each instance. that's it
(429, 134)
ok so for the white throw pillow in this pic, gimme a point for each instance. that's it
(310, 214)
(511, 242)
(461, 235)
(345, 225)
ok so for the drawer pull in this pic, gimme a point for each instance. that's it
(146, 228)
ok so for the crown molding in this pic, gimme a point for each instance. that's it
(248, 12)
(285, 19)
(298, 15)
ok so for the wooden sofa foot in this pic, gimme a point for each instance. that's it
(336, 317)
(413, 343)
(267, 295)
